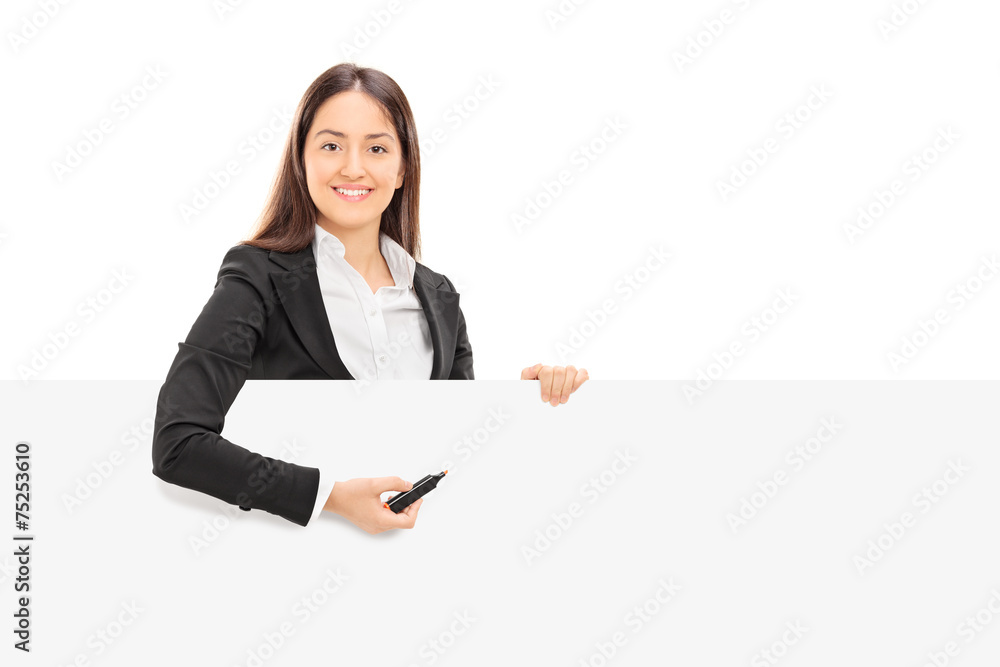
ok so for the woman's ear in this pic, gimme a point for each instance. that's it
(399, 179)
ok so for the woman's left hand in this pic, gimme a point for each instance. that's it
(558, 382)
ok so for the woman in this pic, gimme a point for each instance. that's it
(328, 287)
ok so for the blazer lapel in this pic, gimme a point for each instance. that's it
(298, 288)
(441, 308)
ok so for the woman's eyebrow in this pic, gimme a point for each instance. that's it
(367, 136)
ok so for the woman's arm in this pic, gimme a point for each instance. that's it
(206, 375)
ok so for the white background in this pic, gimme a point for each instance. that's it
(664, 515)
(525, 291)
(686, 127)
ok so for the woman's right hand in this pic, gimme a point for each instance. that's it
(359, 501)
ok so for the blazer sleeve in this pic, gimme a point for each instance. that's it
(461, 367)
(208, 372)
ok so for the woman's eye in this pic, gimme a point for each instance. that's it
(331, 146)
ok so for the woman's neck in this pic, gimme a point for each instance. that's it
(361, 247)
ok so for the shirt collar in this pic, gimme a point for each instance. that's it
(402, 266)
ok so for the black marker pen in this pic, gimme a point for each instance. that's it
(401, 501)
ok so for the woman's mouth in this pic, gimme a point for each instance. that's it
(353, 194)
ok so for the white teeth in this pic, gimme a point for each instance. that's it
(352, 193)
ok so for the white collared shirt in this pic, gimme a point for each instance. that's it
(380, 336)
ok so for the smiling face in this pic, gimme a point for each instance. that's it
(353, 162)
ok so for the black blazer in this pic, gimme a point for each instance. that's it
(266, 320)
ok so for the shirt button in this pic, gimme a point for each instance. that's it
(382, 358)
(372, 312)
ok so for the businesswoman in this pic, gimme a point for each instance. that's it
(327, 287)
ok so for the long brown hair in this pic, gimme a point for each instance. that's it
(287, 223)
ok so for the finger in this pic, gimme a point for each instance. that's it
(530, 373)
(545, 378)
(406, 511)
(581, 376)
(383, 484)
(410, 514)
(567, 385)
(414, 508)
(558, 378)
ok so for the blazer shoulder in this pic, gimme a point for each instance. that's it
(435, 279)
(245, 258)
(247, 262)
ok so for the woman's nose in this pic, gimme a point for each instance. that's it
(353, 168)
